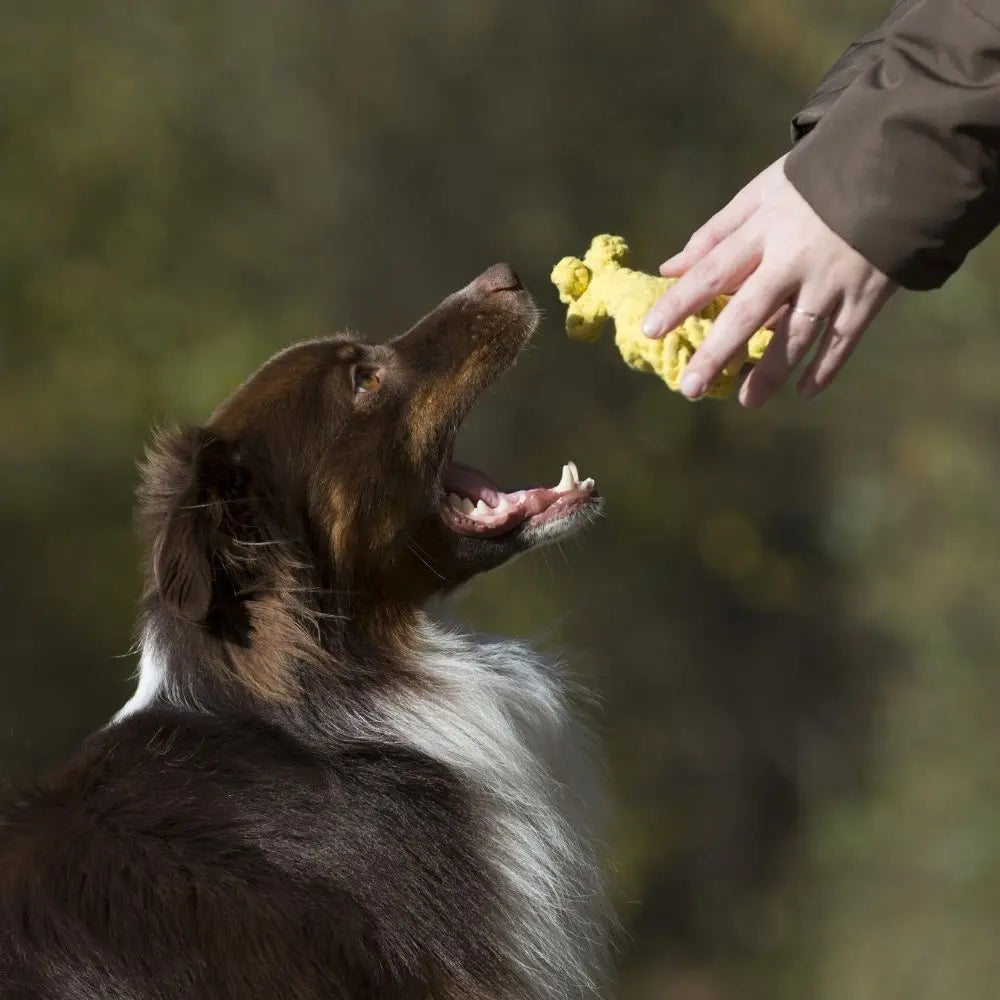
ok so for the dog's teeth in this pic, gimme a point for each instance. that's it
(588, 483)
(467, 505)
(566, 483)
(483, 508)
(455, 500)
(576, 474)
(502, 505)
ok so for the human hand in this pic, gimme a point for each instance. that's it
(786, 269)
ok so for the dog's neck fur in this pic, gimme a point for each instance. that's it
(490, 710)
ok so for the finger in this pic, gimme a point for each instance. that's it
(744, 314)
(723, 224)
(794, 335)
(838, 344)
(724, 269)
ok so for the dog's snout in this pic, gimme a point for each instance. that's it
(498, 278)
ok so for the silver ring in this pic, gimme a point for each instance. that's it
(820, 321)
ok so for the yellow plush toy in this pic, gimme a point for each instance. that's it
(599, 287)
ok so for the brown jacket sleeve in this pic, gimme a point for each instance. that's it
(902, 157)
(860, 56)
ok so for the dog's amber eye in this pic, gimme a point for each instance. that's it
(366, 380)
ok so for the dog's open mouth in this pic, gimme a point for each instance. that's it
(474, 505)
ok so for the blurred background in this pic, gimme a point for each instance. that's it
(791, 616)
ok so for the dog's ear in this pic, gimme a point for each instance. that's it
(191, 480)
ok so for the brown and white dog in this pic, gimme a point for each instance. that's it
(316, 792)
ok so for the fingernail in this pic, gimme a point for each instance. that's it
(692, 385)
(808, 389)
(651, 326)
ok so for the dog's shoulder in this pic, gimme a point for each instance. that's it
(192, 783)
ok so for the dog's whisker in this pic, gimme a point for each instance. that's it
(212, 503)
(276, 541)
(545, 559)
(415, 549)
(562, 552)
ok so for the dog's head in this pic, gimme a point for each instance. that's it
(341, 452)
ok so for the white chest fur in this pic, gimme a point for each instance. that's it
(496, 713)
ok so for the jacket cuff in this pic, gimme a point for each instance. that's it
(859, 57)
(855, 60)
(904, 164)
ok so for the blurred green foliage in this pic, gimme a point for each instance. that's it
(791, 616)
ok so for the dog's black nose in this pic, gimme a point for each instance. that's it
(498, 278)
